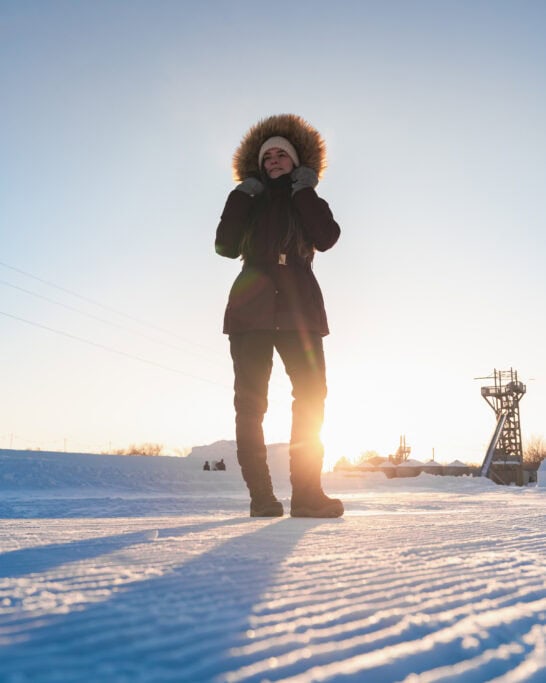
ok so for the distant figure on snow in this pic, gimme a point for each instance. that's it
(275, 221)
(206, 466)
(220, 465)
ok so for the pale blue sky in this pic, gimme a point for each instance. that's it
(119, 120)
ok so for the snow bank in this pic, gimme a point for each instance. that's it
(49, 474)
(424, 580)
(27, 470)
(52, 472)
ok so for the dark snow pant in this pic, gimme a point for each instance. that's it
(303, 357)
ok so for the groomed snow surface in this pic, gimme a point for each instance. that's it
(149, 569)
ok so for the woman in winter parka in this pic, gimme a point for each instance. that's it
(275, 221)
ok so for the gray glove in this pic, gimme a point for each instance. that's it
(303, 176)
(251, 186)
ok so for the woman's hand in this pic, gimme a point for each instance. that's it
(251, 186)
(303, 176)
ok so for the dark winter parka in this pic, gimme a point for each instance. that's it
(276, 289)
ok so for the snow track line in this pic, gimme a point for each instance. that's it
(458, 598)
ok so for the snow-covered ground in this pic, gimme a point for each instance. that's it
(149, 569)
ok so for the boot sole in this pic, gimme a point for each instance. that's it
(271, 511)
(327, 512)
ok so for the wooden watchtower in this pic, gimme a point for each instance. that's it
(503, 462)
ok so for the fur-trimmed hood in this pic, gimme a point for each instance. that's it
(309, 144)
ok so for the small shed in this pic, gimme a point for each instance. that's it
(409, 468)
(388, 469)
(457, 469)
(433, 467)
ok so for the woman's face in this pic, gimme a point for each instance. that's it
(276, 162)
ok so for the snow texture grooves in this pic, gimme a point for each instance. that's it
(420, 587)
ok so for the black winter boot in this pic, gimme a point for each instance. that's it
(308, 498)
(266, 506)
(315, 504)
(263, 502)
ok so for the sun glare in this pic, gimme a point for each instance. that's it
(346, 430)
(341, 436)
(357, 421)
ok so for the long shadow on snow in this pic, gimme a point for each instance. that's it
(17, 563)
(181, 626)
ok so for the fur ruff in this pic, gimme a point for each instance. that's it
(309, 144)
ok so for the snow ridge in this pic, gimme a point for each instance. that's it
(418, 583)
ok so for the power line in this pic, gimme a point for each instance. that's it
(101, 320)
(112, 350)
(94, 302)
(66, 290)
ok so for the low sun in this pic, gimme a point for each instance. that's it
(355, 421)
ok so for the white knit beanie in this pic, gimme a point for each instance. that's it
(280, 143)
